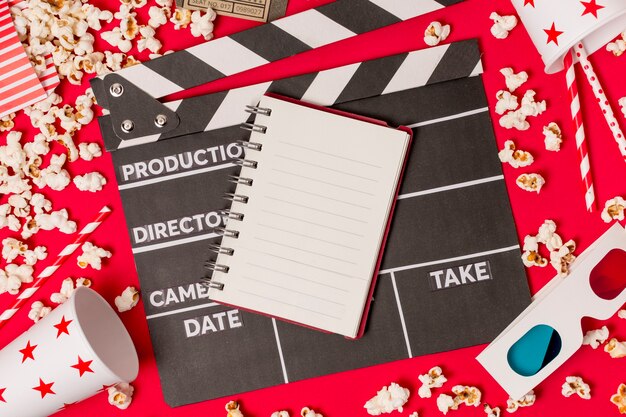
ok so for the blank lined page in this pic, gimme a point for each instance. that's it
(315, 219)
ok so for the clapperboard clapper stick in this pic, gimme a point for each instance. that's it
(239, 52)
(324, 88)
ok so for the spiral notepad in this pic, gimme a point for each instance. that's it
(309, 216)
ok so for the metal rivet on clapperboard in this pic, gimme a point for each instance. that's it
(116, 89)
(160, 120)
(127, 126)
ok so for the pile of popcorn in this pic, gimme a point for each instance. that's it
(64, 29)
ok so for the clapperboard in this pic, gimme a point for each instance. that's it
(451, 275)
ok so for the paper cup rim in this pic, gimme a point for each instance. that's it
(555, 63)
(122, 339)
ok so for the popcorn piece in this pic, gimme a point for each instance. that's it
(148, 40)
(92, 256)
(514, 119)
(38, 311)
(83, 282)
(436, 33)
(513, 80)
(622, 104)
(387, 400)
(621, 314)
(280, 414)
(515, 158)
(506, 102)
(12, 248)
(56, 220)
(9, 283)
(562, 258)
(307, 412)
(66, 291)
(531, 182)
(433, 379)
(615, 348)
(128, 299)
(619, 46)
(7, 219)
(595, 338)
(619, 399)
(530, 107)
(614, 209)
(115, 38)
(502, 25)
(40, 204)
(92, 182)
(89, 151)
(121, 395)
(158, 16)
(54, 176)
(531, 256)
(181, 18)
(446, 403)
(13, 276)
(553, 137)
(546, 231)
(31, 257)
(492, 412)
(6, 122)
(232, 409)
(526, 401)
(414, 414)
(467, 395)
(202, 24)
(576, 385)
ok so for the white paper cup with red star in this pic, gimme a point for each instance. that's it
(76, 351)
(555, 26)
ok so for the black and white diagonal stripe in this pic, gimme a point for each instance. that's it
(326, 88)
(267, 43)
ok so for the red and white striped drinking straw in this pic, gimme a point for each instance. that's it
(603, 101)
(581, 139)
(63, 256)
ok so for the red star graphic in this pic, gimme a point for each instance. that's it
(553, 34)
(44, 389)
(66, 406)
(531, 2)
(62, 327)
(105, 387)
(1, 394)
(591, 7)
(83, 366)
(27, 352)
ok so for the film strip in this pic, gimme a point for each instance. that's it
(325, 88)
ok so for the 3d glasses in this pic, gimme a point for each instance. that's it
(549, 331)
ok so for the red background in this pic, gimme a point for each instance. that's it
(344, 394)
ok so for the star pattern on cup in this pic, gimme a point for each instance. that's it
(83, 367)
(591, 7)
(28, 352)
(62, 327)
(553, 34)
(44, 388)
